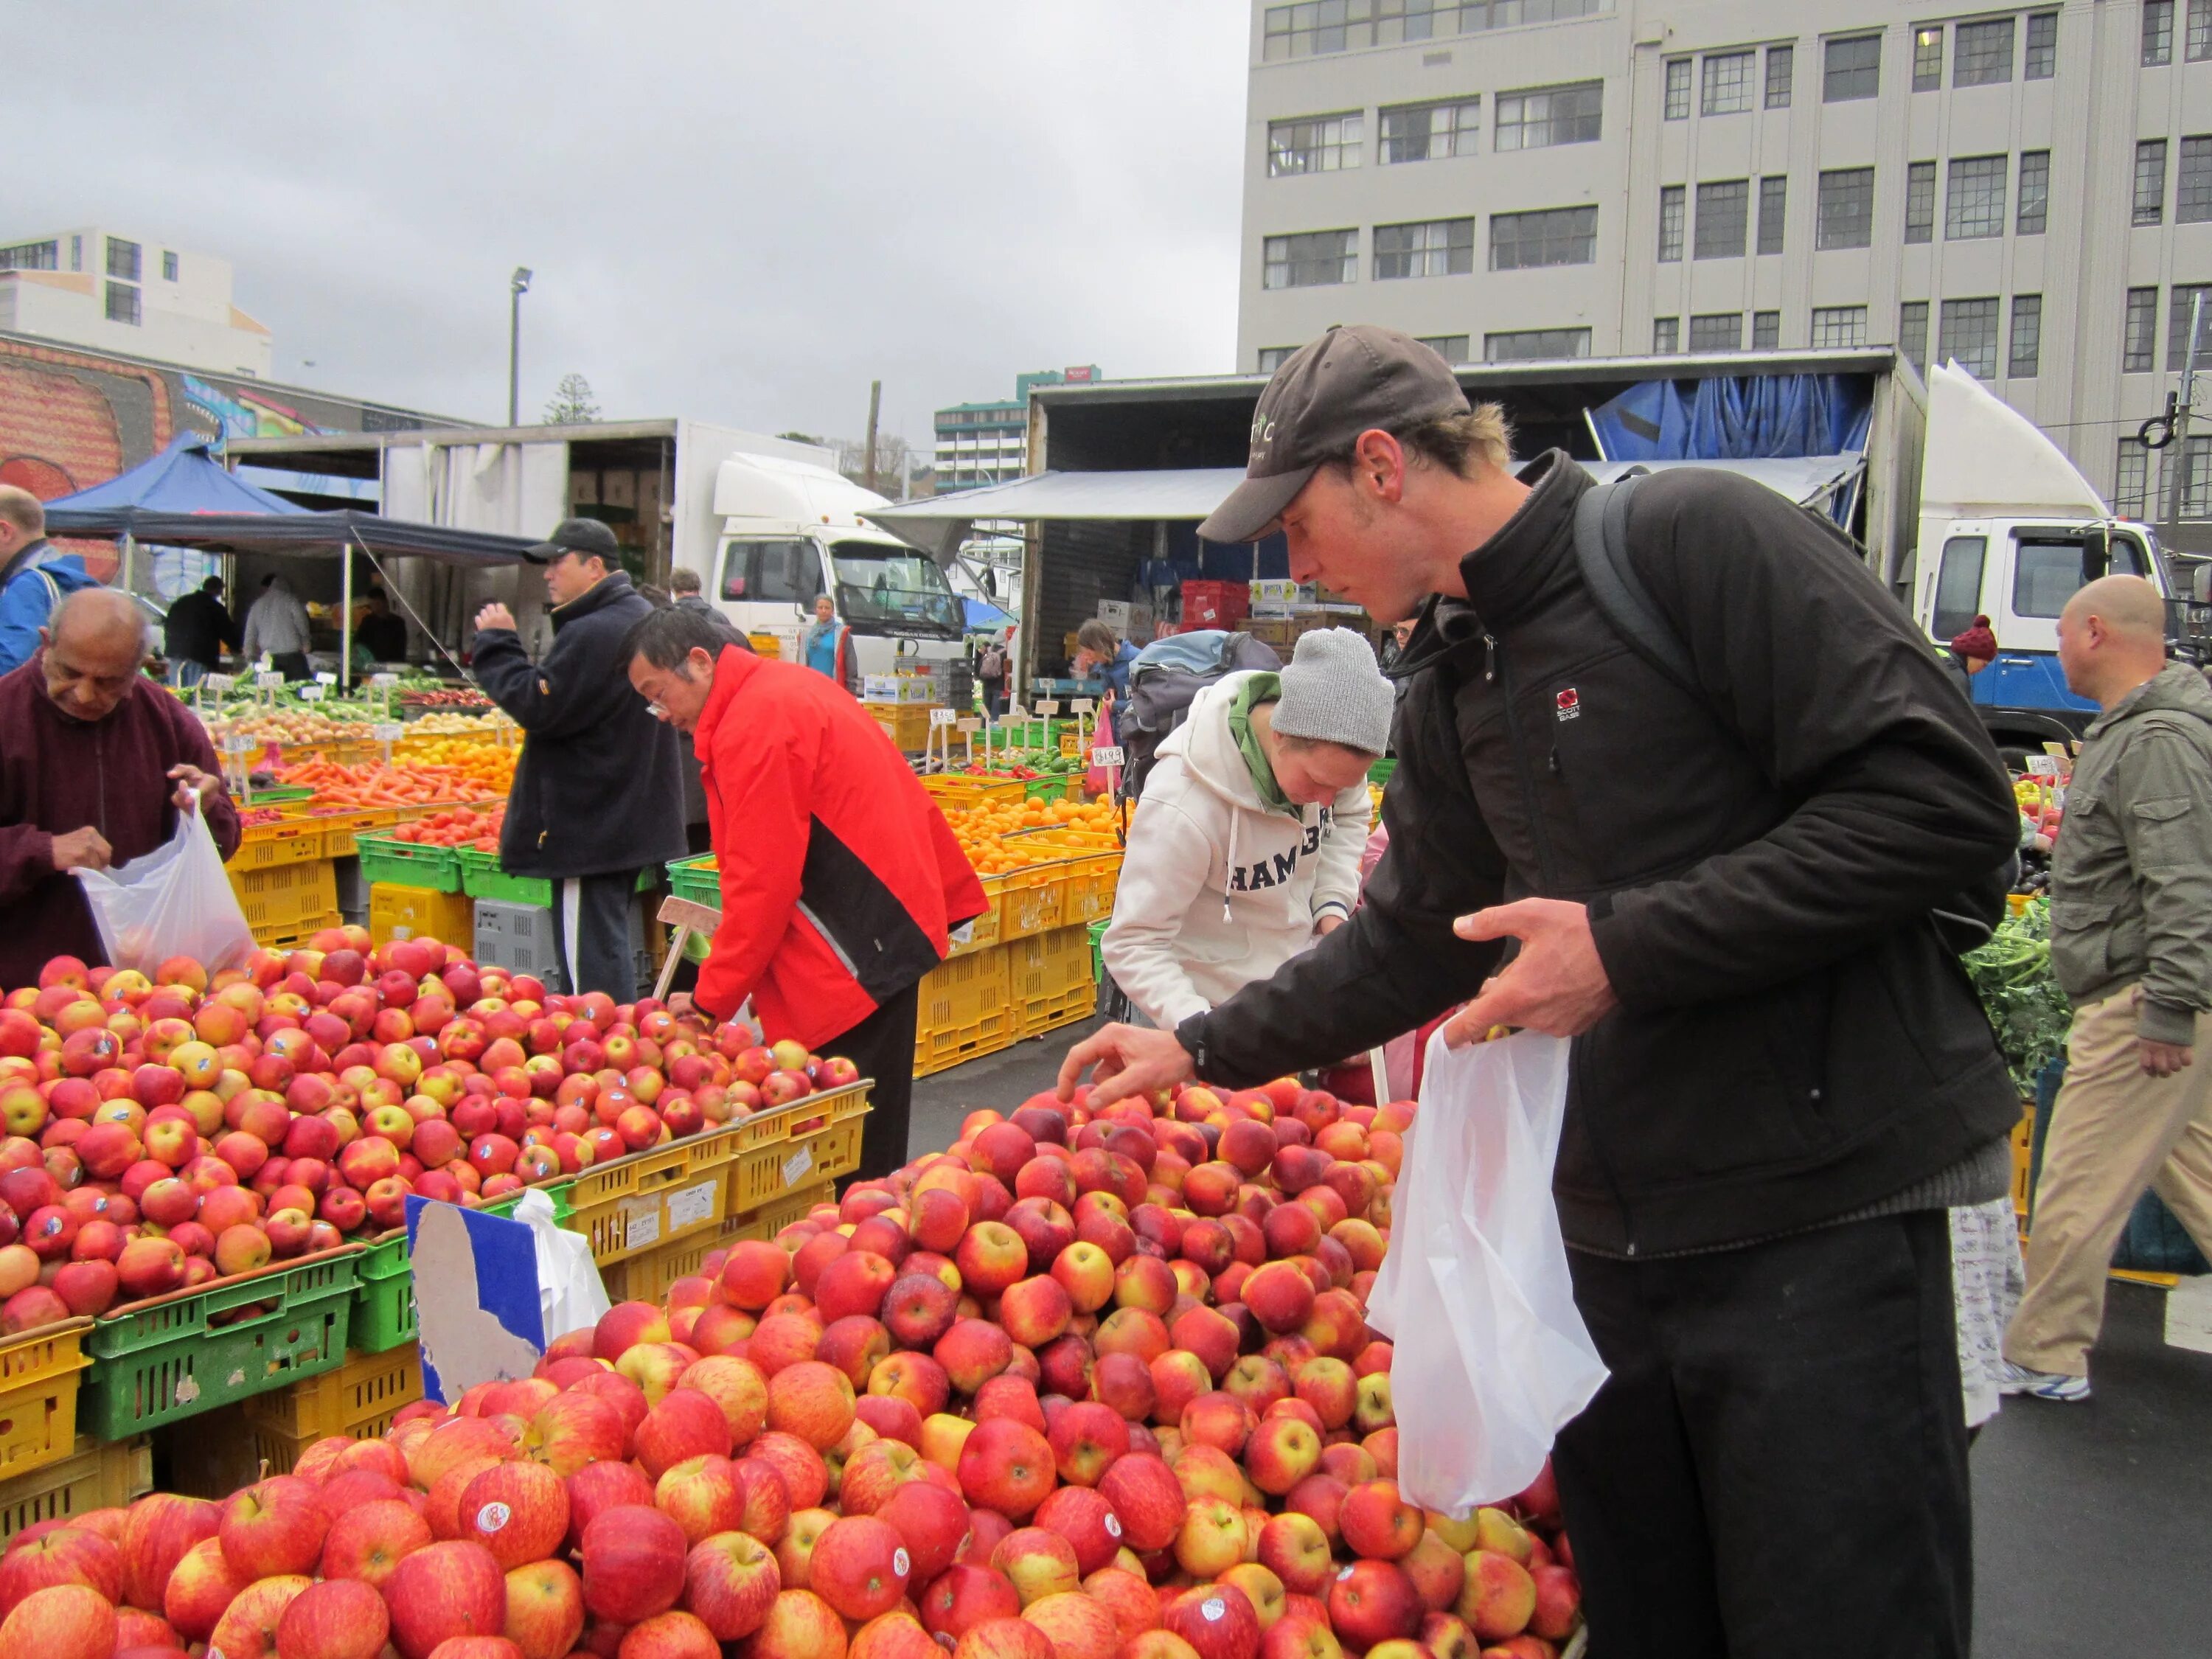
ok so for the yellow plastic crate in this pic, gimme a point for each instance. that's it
(962, 1010)
(91, 1477)
(397, 912)
(281, 894)
(647, 1199)
(339, 829)
(294, 935)
(1087, 886)
(1048, 965)
(359, 1398)
(647, 1277)
(39, 1375)
(985, 932)
(1070, 1007)
(821, 1147)
(1034, 900)
(284, 841)
(962, 789)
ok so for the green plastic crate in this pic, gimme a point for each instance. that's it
(383, 1301)
(695, 880)
(1098, 950)
(382, 859)
(481, 878)
(182, 1355)
(1381, 771)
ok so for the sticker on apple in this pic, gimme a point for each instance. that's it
(1213, 1606)
(492, 1517)
(901, 1564)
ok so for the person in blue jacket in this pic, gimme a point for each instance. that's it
(828, 645)
(34, 577)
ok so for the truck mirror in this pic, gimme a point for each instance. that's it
(2096, 552)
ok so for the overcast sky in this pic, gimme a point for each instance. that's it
(740, 211)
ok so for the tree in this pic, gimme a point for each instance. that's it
(571, 403)
(892, 455)
(800, 438)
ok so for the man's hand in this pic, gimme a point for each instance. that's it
(680, 1005)
(1328, 924)
(1556, 985)
(2159, 1058)
(495, 615)
(1131, 1059)
(81, 849)
(193, 786)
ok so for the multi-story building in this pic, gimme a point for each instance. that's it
(988, 443)
(2027, 190)
(93, 288)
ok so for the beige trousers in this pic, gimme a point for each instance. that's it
(2114, 1130)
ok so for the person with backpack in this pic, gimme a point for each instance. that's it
(1245, 847)
(991, 674)
(1675, 749)
(34, 578)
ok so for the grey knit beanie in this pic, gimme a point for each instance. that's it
(1333, 692)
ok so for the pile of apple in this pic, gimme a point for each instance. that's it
(161, 1133)
(1080, 1388)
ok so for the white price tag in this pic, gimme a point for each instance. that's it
(943, 716)
(237, 743)
(1106, 758)
(969, 725)
(218, 682)
(1048, 707)
(1015, 712)
(642, 1226)
(267, 680)
(325, 677)
(2042, 766)
(692, 1205)
(796, 1166)
(313, 693)
(386, 680)
(388, 731)
(1083, 705)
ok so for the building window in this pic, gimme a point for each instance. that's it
(1852, 70)
(2150, 181)
(169, 267)
(1835, 326)
(1430, 132)
(1666, 336)
(2131, 479)
(1439, 247)
(1314, 143)
(1846, 209)
(1920, 202)
(1982, 53)
(1773, 211)
(2034, 191)
(1452, 348)
(2193, 192)
(2027, 336)
(2199, 46)
(1551, 236)
(1671, 214)
(1726, 89)
(2183, 297)
(1271, 358)
(122, 303)
(30, 256)
(1766, 330)
(1316, 27)
(1545, 116)
(1974, 197)
(2157, 32)
(1528, 344)
(1678, 90)
(2139, 341)
(1724, 212)
(122, 259)
(1912, 332)
(1316, 258)
(1928, 58)
(1781, 66)
(1719, 331)
(2042, 61)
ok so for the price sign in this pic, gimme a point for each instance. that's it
(236, 743)
(386, 680)
(266, 680)
(1106, 758)
(325, 679)
(968, 726)
(943, 716)
(388, 731)
(218, 682)
(1083, 705)
(2042, 766)
(1048, 707)
(313, 693)
(1015, 712)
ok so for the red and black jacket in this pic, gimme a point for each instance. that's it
(841, 880)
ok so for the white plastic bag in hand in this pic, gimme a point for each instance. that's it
(1490, 1357)
(175, 901)
(570, 1294)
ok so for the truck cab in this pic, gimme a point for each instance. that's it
(791, 532)
(2009, 529)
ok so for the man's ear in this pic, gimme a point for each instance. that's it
(1379, 463)
(46, 637)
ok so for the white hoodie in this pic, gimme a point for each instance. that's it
(1216, 890)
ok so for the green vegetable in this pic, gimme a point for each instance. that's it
(2028, 1012)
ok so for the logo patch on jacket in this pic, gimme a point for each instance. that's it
(1569, 704)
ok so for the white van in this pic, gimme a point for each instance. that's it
(791, 532)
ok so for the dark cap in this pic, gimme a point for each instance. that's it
(586, 538)
(1318, 403)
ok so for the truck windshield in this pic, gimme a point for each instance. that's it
(2048, 573)
(889, 590)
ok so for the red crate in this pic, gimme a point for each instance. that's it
(1215, 604)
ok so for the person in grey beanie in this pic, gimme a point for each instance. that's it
(1245, 845)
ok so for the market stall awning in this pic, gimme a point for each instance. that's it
(982, 616)
(940, 524)
(294, 533)
(183, 478)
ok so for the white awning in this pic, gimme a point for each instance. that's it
(940, 524)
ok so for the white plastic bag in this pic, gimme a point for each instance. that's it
(1491, 1354)
(570, 1296)
(174, 901)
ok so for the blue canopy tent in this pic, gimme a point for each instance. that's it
(186, 477)
(984, 617)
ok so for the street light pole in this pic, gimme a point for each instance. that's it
(517, 286)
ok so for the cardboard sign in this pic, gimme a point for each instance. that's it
(313, 693)
(943, 716)
(1106, 758)
(476, 1296)
(388, 731)
(267, 680)
(325, 677)
(2042, 766)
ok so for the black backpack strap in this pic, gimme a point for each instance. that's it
(1602, 554)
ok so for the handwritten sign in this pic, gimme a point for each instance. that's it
(388, 731)
(1083, 705)
(313, 693)
(267, 680)
(943, 716)
(1106, 758)
(1048, 707)
(386, 680)
(2042, 766)
(218, 682)
(968, 726)
(325, 677)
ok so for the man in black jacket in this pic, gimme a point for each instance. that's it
(1781, 1078)
(597, 795)
(195, 631)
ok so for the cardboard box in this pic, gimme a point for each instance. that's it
(880, 688)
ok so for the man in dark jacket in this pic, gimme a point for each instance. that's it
(195, 631)
(1781, 1078)
(597, 795)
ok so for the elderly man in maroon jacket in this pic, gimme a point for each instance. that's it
(95, 763)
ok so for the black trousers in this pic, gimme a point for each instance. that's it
(292, 665)
(881, 1046)
(1777, 1466)
(593, 924)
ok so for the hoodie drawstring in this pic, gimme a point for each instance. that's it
(1229, 881)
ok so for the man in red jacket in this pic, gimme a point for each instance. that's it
(841, 880)
(96, 760)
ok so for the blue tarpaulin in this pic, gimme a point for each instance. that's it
(984, 616)
(1735, 418)
(183, 478)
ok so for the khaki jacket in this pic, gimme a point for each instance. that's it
(2132, 875)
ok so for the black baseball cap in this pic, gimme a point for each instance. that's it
(1319, 402)
(586, 538)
